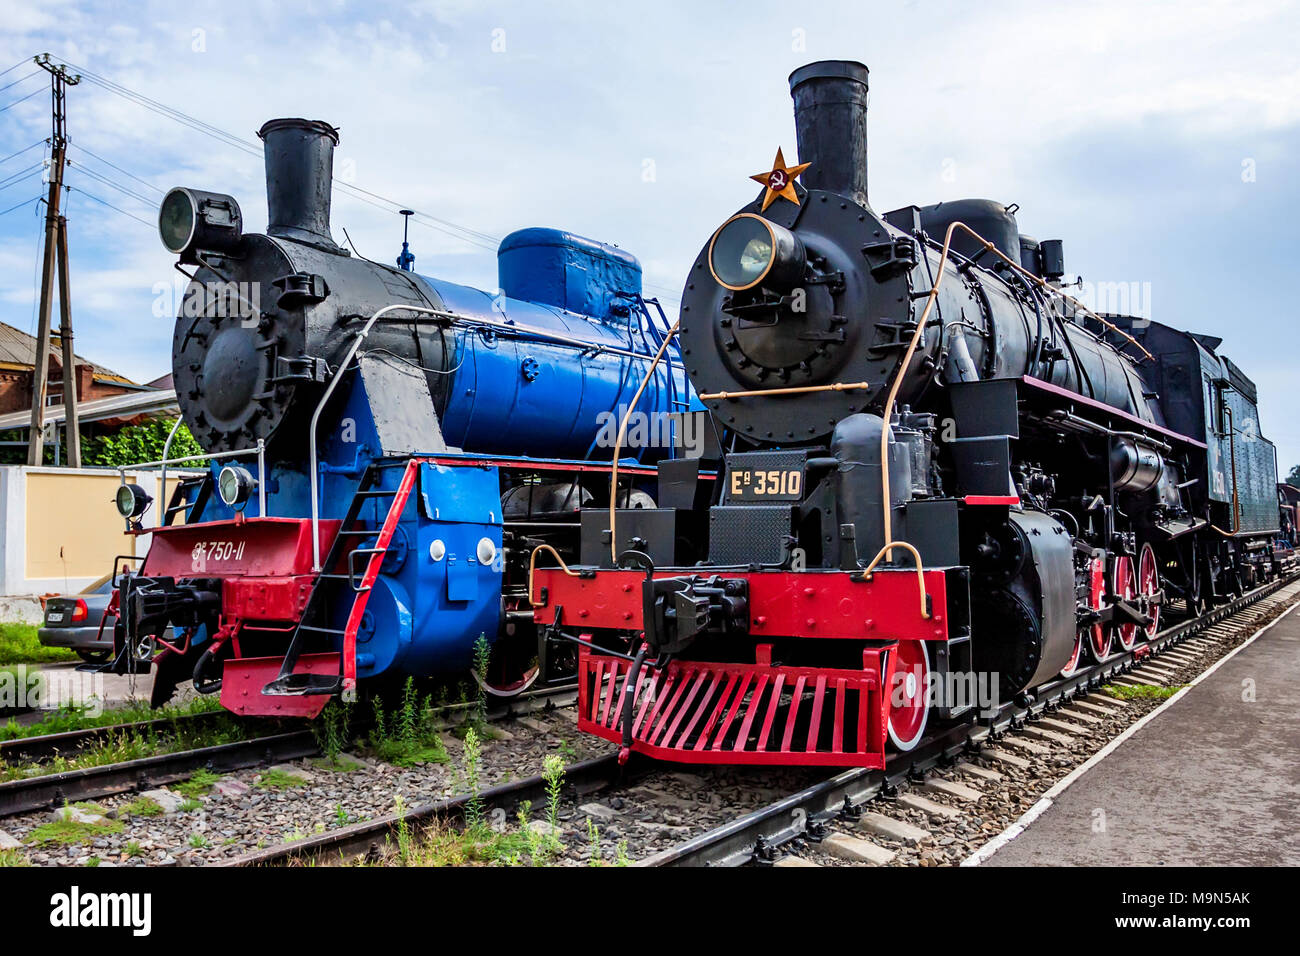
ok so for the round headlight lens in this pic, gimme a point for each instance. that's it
(176, 220)
(235, 484)
(742, 252)
(131, 501)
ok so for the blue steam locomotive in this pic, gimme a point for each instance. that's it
(388, 453)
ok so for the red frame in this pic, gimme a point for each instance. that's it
(825, 604)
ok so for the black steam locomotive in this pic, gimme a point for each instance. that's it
(939, 481)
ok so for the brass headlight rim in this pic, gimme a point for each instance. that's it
(770, 262)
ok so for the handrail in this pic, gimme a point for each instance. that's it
(162, 491)
(202, 456)
(320, 407)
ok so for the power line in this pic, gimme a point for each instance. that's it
(15, 66)
(12, 181)
(23, 100)
(465, 234)
(39, 142)
(16, 82)
(108, 182)
(20, 205)
(455, 230)
(104, 202)
(124, 172)
(21, 172)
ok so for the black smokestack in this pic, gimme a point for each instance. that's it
(299, 176)
(830, 121)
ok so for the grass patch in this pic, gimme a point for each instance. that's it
(337, 764)
(126, 745)
(13, 857)
(77, 718)
(1144, 692)
(19, 645)
(479, 845)
(483, 842)
(275, 779)
(197, 785)
(190, 805)
(142, 807)
(71, 832)
(406, 738)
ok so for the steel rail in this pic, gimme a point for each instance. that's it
(756, 836)
(88, 783)
(47, 746)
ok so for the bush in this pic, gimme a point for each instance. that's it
(139, 443)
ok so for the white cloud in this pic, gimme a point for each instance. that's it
(557, 129)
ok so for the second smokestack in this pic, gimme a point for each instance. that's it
(830, 120)
(299, 179)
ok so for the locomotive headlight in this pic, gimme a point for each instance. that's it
(749, 250)
(235, 485)
(190, 220)
(131, 501)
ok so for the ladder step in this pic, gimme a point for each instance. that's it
(304, 685)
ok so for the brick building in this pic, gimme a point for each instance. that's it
(18, 359)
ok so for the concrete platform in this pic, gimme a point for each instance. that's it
(1210, 779)
(67, 683)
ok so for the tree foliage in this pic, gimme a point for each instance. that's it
(140, 443)
(1293, 476)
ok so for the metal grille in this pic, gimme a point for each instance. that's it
(749, 534)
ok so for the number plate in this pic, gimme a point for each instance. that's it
(54, 617)
(769, 484)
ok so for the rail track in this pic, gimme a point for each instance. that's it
(809, 814)
(757, 836)
(805, 810)
(50, 790)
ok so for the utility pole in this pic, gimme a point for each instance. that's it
(56, 248)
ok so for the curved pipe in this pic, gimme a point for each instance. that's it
(320, 406)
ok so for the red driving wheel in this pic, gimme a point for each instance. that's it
(909, 700)
(1125, 590)
(1148, 586)
(1100, 643)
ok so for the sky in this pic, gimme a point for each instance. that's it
(1158, 140)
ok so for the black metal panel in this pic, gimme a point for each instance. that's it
(749, 534)
(985, 408)
(680, 485)
(930, 526)
(652, 531)
(983, 465)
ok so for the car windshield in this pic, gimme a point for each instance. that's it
(103, 586)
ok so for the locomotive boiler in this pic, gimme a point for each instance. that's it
(944, 482)
(385, 448)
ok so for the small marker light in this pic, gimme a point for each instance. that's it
(235, 485)
(131, 501)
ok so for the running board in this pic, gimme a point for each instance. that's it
(728, 713)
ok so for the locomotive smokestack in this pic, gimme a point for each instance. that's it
(299, 177)
(830, 121)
